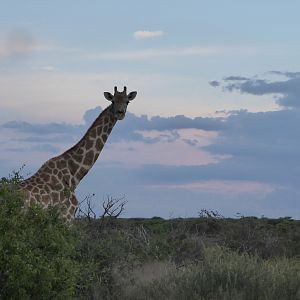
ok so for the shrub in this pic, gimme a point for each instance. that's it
(36, 249)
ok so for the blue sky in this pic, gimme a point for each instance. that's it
(214, 125)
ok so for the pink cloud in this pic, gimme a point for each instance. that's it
(233, 187)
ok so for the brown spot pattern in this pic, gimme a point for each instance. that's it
(89, 158)
(93, 133)
(73, 166)
(89, 144)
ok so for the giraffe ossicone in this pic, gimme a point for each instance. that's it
(55, 182)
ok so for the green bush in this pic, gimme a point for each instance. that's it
(37, 249)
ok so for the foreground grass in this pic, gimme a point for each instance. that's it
(224, 274)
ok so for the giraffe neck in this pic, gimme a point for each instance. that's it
(81, 157)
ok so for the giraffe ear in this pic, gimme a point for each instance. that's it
(108, 96)
(131, 96)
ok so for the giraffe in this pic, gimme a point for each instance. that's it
(55, 182)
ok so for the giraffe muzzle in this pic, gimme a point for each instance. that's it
(120, 114)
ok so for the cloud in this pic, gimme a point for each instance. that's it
(247, 169)
(143, 122)
(241, 145)
(146, 136)
(144, 34)
(214, 83)
(53, 138)
(170, 136)
(262, 134)
(154, 53)
(235, 78)
(234, 187)
(285, 74)
(21, 43)
(261, 146)
(285, 92)
(233, 144)
(46, 68)
(41, 129)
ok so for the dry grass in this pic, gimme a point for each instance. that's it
(226, 275)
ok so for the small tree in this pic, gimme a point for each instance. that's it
(112, 209)
(36, 249)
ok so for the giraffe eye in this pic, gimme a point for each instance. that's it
(127, 102)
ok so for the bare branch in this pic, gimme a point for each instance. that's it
(113, 207)
(86, 210)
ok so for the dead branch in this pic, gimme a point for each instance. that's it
(86, 210)
(112, 208)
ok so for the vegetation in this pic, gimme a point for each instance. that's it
(37, 250)
(201, 258)
(225, 274)
(209, 257)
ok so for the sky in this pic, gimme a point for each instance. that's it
(215, 124)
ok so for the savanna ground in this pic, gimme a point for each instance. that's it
(208, 257)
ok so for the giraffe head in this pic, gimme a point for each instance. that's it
(120, 101)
